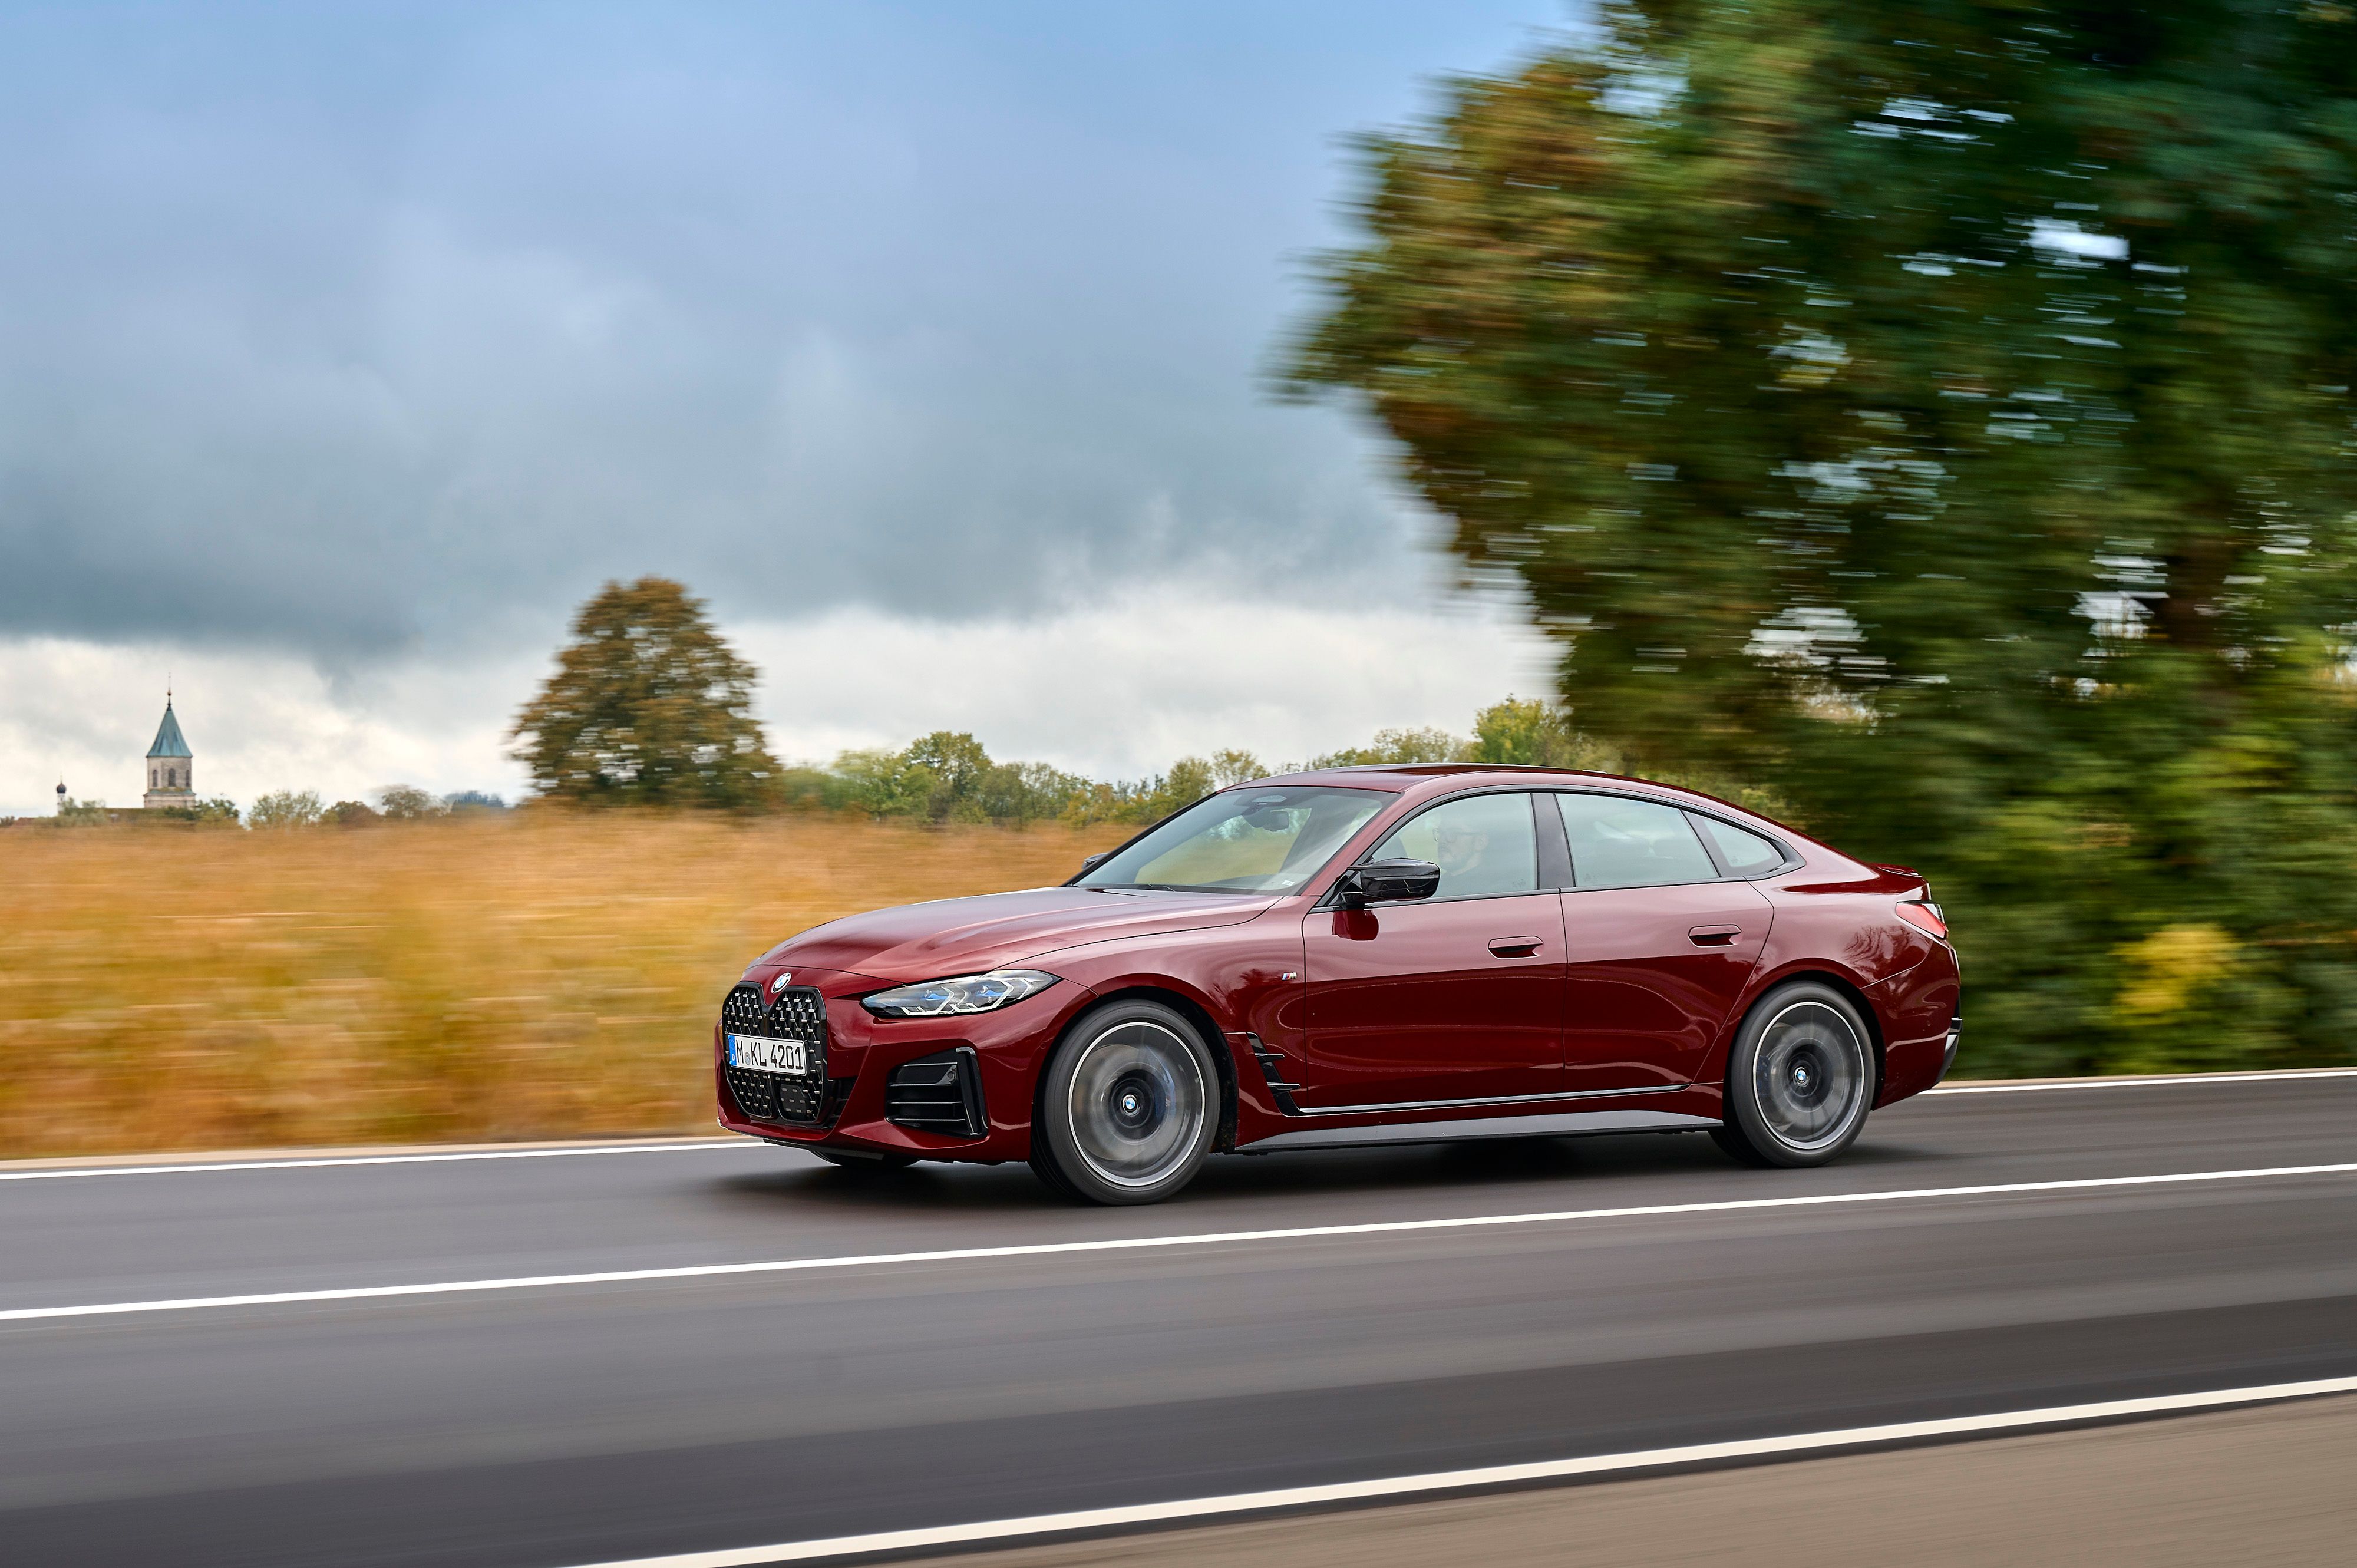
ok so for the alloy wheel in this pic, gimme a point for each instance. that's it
(1810, 1076)
(1137, 1104)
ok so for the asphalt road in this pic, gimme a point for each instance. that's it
(546, 1425)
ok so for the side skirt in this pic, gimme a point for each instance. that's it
(1560, 1124)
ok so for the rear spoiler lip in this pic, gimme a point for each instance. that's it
(1922, 894)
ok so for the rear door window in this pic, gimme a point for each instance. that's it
(1619, 843)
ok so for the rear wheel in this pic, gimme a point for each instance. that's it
(1800, 1079)
(1128, 1107)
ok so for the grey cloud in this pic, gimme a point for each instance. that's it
(367, 341)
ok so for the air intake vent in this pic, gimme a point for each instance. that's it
(940, 1093)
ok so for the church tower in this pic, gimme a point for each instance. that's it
(170, 781)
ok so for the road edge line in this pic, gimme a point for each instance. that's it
(2134, 1080)
(1489, 1477)
(677, 1146)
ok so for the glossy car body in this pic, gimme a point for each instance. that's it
(1566, 1009)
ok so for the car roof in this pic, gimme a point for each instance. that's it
(1409, 774)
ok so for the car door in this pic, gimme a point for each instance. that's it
(1456, 998)
(1658, 944)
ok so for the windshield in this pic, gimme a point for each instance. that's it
(1241, 841)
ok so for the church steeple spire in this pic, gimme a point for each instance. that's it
(170, 764)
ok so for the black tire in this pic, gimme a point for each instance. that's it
(866, 1163)
(1128, 1106)
(1738, 1147)
(1800, 1079)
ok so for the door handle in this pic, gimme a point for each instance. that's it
(1714, 936)
(1514, 947)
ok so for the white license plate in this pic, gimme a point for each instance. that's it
(764, 1055)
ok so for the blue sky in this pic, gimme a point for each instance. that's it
(344, 349)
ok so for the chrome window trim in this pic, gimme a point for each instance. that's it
(1791, 862)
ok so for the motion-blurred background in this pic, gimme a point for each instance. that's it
(1929, 424)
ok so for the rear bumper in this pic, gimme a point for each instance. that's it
(1919, 1017)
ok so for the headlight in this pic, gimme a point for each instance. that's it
(964, 993)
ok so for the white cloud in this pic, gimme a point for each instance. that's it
(1117, 688)
(1126, 685)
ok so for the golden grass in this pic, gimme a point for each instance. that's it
(539, 975)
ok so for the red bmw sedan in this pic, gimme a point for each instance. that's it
(1355, 956)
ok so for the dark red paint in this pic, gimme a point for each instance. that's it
(1622, 989)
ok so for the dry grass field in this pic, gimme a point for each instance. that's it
(527, 976)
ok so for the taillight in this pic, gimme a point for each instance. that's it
(1924, 917)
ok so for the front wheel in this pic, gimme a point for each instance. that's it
(1127, 1107)
(1800, 1079)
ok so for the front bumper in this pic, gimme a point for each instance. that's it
(1006, 1048)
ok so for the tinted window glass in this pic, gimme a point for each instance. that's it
(1484, 845)
(1617, 843)
(1245, 841)
(1743, 852)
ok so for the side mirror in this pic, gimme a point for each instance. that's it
(1092, 862)
(1389, 882)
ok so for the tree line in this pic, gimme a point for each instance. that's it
(286, 809)
(650, 706)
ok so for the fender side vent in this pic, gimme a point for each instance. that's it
(1271, 1071)
(940, 1093)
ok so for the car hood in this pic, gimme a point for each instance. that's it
(968, 936)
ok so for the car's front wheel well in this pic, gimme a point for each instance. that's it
(1856, 999)
(1215, 1040)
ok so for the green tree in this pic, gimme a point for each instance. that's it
(1529, 733)
(73, 814)
(954, 765)
(1027, 792)
(217, 812)
(408, 803)
(1426, 745)
(286, 809)
(1234, 767)
(1939, 413)
(648, 706)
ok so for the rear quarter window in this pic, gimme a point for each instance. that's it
(1741, 851)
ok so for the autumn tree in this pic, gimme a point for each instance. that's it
(1941, 413)
(648, 706)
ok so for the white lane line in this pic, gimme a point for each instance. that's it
(1491, 1477)
(1140, 1243)
(699, 1145)
(709, 1145)
(2144, 1082)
